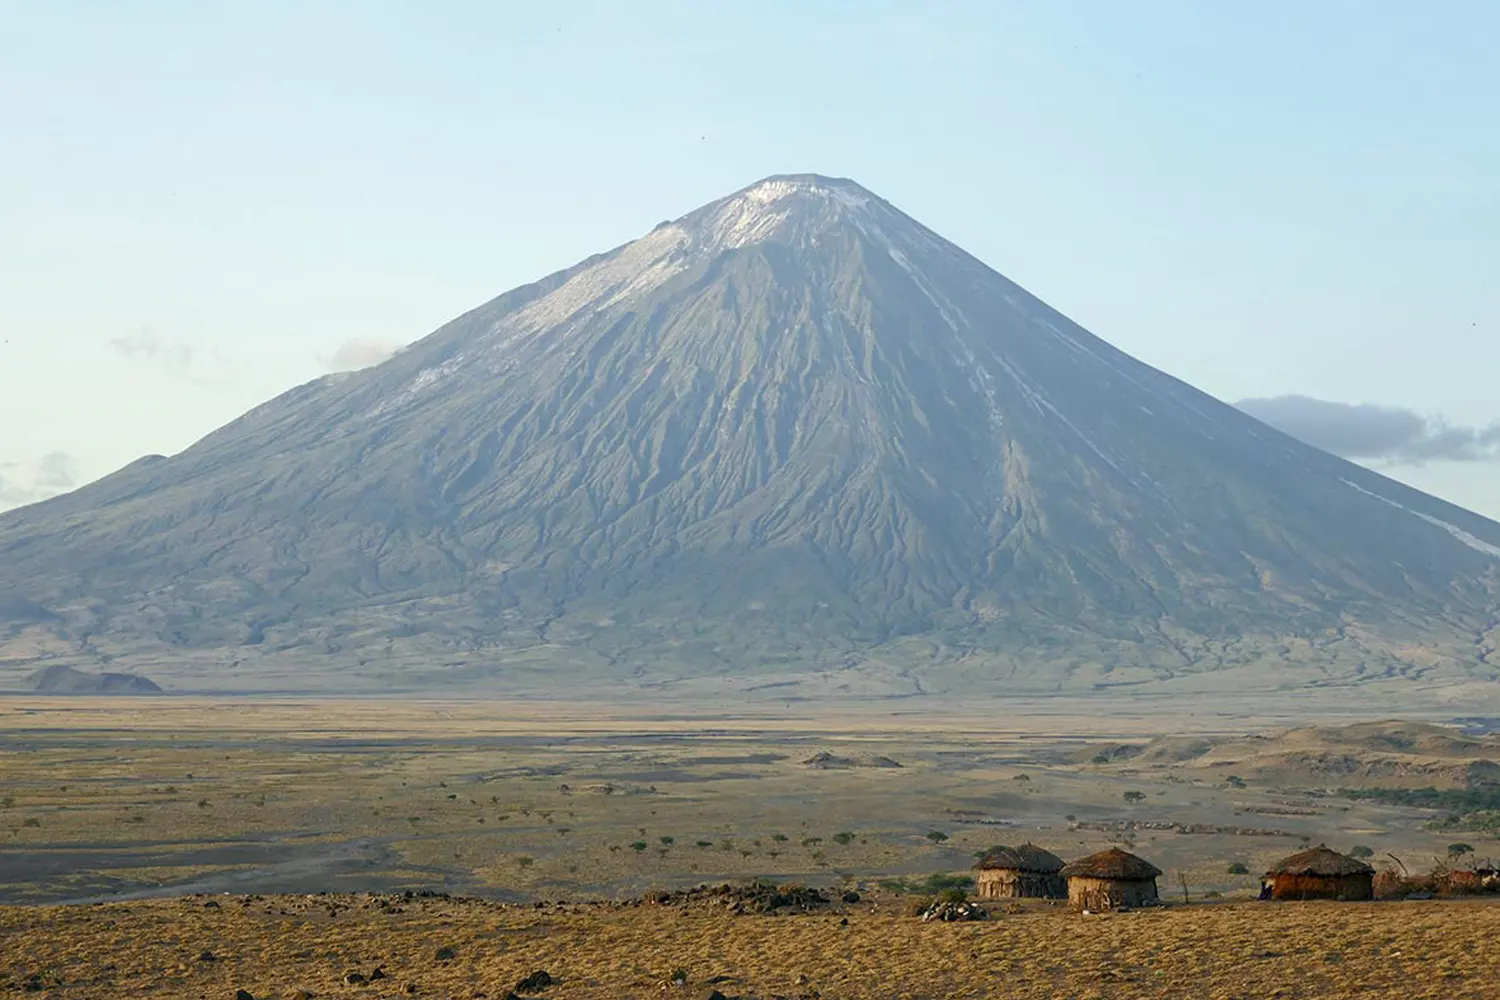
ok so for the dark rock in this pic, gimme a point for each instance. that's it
(538, 980)
(243, 995)
(207, 956)
(851, 897)
(377, 973)
(354, 979)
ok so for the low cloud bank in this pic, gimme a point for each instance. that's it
(1375, 433)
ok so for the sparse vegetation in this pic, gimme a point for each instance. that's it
(843, 838)
(1238, 868)
(937, 836)
(932, 885)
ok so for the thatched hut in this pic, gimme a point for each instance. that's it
(1321, 873)
(1111, 880)
(1025, 872)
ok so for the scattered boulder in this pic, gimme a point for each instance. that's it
(851, 897)
(354, 979)
(950, 911)
(538, 980)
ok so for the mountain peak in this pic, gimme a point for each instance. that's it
(792, 433)
(782, 208)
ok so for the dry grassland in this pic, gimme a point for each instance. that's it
(109, 797)
(276, 946)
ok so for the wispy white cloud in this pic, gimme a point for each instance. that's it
(23, 483)
(178, 358)
(360, 352)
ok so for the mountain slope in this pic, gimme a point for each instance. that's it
(793, 432)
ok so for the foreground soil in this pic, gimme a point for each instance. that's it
(276, 946)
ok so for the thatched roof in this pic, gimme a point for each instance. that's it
(1112, 864)
(1026, 858)
(1321, 861)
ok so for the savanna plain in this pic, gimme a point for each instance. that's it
(185, 847)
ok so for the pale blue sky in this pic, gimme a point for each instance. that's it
(200, 203)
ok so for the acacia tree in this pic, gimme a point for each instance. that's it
(1456, 851)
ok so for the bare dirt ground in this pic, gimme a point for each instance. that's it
(278, 947)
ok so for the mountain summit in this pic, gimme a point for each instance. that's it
(791, 438)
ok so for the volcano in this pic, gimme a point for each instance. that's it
(791, 438)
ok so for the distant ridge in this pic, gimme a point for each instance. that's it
(66, 680)
(793, 442)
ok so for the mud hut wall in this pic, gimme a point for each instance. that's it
(1110, 894)
(1323, 887)
(1005, 883)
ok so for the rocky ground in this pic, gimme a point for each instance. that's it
(710, 944)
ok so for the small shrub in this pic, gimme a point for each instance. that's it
(667, 841)
(780, 838)
(937, 836)
(1134, 796)
(1098, 758)
(525, 861)
(1456, 851)
(1238, 868)
(1361, 851)
(31, 821)
(843, 837)
(705, 843)
(811, 841)
(639, 846)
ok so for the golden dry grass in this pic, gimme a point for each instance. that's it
(274, 946)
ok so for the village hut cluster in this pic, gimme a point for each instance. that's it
(1110, 880)
(1118, 880)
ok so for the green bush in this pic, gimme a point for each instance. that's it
(1238, 868)
(639, 846)
(843, 837)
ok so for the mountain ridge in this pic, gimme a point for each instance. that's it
(790, 432)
